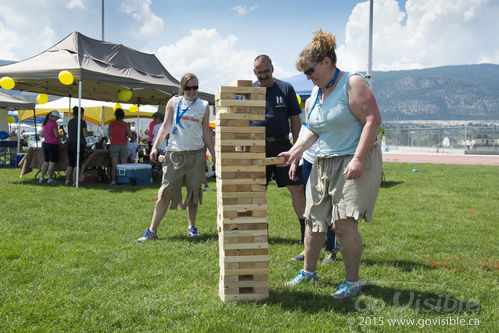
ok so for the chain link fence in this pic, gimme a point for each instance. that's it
(458, 137)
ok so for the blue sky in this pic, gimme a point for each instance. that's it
(219, 39)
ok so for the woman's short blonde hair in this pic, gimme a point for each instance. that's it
(322, 45)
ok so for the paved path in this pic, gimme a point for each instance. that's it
(441, 158)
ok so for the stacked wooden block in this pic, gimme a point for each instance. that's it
(241, 193)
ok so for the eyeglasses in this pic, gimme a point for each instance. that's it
(191, 88)
(265, 71)
(311, 69)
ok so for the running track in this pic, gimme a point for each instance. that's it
(441, 158)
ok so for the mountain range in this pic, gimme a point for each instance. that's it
(463, 92)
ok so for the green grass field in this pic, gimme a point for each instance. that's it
(69, 261)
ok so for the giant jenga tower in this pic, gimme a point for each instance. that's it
(241, 193)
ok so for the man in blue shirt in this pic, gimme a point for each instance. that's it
(282, 115)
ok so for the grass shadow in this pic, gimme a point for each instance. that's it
(406, 266)
(84, 186)
(388, 184)
(309, 301)
(374, 298)
(416, 299)
(286, 241)
(204, 237)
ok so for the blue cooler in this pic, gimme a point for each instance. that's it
(135, 173)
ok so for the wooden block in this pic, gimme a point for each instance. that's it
(244, 208)
(239, 102)
(249, 283)
(239, 168)
(242, 155)
(239, 129)
(240, 116)
(256, 181)
(242, 233)
(257, 96)
(257, 149)
(233, 246)
(250, 143)
(244, 297)
(243, 83)
(264, 258)
(240, 90)
(232, 122)
(244, 220)
(241, 271)
(240, 109)
(273, 160)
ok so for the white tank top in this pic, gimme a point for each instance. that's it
(187, 124)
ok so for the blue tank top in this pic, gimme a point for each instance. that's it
(338, 129)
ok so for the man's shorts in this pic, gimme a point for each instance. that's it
(280, 174)
(118, 151)
(183, 168)
(71, 151)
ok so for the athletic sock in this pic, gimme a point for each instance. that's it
(302, 227)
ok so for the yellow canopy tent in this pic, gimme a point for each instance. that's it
(97, 112)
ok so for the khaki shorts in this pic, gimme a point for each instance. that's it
(184, 168)
(118, 151)
(331, 197)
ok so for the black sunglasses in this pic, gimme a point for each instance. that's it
(191, 88)
(311, 69)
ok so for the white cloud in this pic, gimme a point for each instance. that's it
(214, 59)
(435, 33)
(150, 24)
(243, 10)
(17, 37)
(75, 3)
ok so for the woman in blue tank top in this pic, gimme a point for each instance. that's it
(345, 179)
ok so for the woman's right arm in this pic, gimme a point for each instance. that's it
(163, 131)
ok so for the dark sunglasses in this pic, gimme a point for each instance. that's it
(191, 88)
(311, 69)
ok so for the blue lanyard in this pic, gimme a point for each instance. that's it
(319, 93)
(181, 112)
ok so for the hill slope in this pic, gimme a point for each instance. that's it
(466, 92)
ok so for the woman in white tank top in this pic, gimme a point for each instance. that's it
(187, 122)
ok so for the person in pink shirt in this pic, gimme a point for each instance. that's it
(50, 145)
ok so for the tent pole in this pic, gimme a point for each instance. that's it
(69, 108)
(78, 136)
(137, 126)
(36, 134)
(370, 52)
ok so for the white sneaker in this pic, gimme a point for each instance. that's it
(40, 180)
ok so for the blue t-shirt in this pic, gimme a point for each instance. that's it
(281, 105)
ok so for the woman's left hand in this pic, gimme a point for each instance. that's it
(353, 169)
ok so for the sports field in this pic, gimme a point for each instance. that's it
(69, 260)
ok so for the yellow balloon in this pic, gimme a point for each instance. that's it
(66, 77)
(133, 108)
(298, 98)
(117, 106)
(125, 95)
(42, 99)
(7, 83)
(11, 119)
